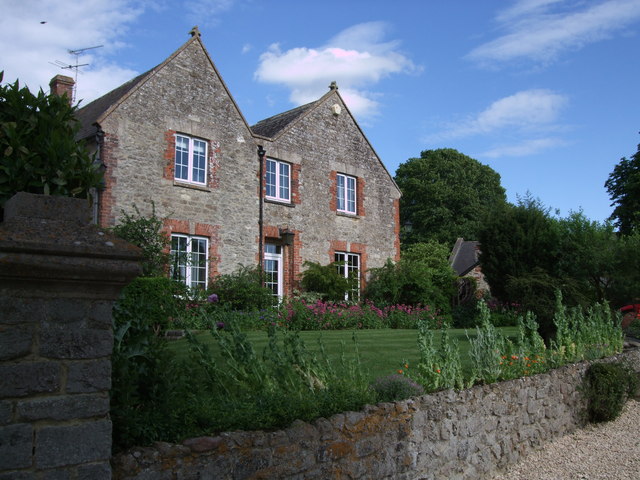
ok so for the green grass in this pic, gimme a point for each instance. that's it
(381, 351)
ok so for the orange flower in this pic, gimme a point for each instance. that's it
(400, 372)
(406, 365)
(438, 370)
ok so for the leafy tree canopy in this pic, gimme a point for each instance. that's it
(528, 254)
(38, 150)
(446, 195)
(623, 187)
(422, 276)
(518, 240)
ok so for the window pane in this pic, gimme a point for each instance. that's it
(273, 248)
(199, 161)
(271, 179)
(349, 268)
(189, 260)
(271, 275)
(178, 257)
(351, 194)
(182, 158)
(284, 181)
(340, 193)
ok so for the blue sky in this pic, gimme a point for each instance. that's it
(545, 92)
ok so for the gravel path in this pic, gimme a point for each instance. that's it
(597, 452)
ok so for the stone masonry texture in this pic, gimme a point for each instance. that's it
(467, 434)
(59, 277)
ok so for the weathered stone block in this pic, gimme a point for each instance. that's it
(15, 341)
(65, 311)
(71, 445)
(17, 475)
(66, 343)
(89, 376)
(64, 407)
(6, 412)
(29, 378)
(19, 310)
(61, 474)
(100, 315)
(97, 471)
(16, 445)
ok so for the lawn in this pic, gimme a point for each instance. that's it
(381, 351)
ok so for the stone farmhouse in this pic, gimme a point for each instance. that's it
(304, 185)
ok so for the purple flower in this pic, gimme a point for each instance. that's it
(213, 298)
(220, 325)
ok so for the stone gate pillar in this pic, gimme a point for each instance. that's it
(59, 277)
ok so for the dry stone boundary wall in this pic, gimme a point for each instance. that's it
(468, 434)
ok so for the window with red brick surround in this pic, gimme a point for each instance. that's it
(294, 182)
(334, 191)
(212, 160)
(210, 232)
(340, 246)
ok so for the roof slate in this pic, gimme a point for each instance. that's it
(90, 113)
(272, 126)
(464, 256)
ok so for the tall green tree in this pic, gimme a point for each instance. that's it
(38, 149)
(623, 187)
(589, 255)
(516, 241)
(446, 195)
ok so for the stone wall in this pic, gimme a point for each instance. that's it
(468, 434)
(59, 276)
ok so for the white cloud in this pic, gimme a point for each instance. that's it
(69, 25)
(524, 148)
(525, 111)
(541, 30)
(356, 58)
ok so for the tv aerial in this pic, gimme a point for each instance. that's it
(75, 67)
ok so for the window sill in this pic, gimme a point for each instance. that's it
(279, 202)
(348, 215)
(195, 186)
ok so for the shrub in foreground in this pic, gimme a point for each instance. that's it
(607, 387)
(395, 387)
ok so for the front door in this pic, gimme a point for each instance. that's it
(273, 268)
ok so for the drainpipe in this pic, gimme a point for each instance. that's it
(261, 154)
(99, 160)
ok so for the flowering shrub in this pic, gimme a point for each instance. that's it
(299, 314)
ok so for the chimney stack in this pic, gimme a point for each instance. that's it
(61, 84)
